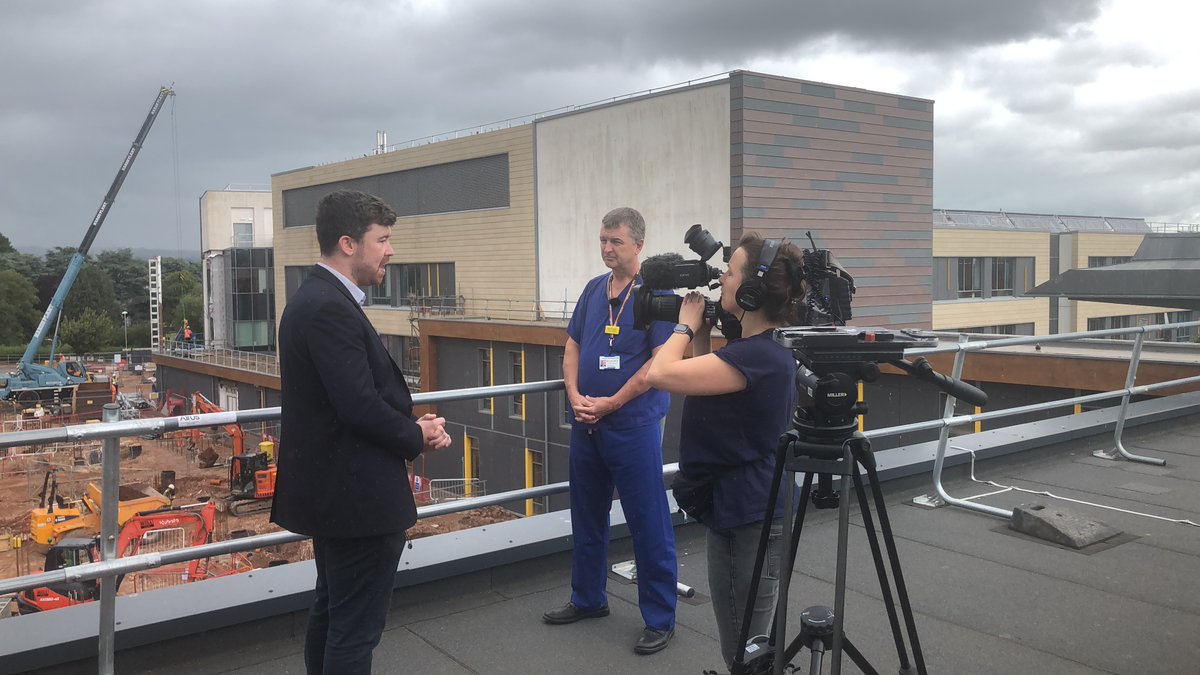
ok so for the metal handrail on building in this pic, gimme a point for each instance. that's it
(111, 430)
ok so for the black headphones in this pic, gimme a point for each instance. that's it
(753, 292)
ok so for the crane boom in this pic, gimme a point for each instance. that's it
(31, 375)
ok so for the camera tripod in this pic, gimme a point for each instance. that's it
(821, 454)
(824, 442)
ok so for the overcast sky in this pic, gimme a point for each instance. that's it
(1085, 107)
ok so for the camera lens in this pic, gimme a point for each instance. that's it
(701, 242)
(648, 307)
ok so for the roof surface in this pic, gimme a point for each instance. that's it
(987, 599)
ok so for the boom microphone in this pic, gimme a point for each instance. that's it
(658, 271)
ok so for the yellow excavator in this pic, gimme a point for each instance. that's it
(55, 518)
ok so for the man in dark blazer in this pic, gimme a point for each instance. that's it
(347, 432)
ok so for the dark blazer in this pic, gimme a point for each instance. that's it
(347, 424)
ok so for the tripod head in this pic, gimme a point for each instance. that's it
(834, 359)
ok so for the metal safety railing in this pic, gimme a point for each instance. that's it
(112, 429)
(948, 420)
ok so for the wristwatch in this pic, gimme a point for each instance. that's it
(684, 329)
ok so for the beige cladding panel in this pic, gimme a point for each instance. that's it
(492, 249)
(1090, 244)
(665, 155)
(967, 314)
(948, 243)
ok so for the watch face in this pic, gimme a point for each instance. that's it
(680, 328)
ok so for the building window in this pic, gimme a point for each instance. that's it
(471, 460)
(486, 405)
(406, 353)
(517, 366)
(251, 280)
(427, 287)
(243, 235)
(564, 408)
(1003, 275)
(536, 477)
(293, 277)
(1133, 320)
(1106, 260)
(1000, 329)
(464, 185)
(243, 227)
(970, 277)
(382, 294)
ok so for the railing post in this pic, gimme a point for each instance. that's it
(1118, 450)
(940, 496)
(109, 501)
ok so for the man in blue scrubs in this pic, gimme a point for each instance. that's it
(616, 440)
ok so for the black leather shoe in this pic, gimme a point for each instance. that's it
(569, 613)
(652, 641)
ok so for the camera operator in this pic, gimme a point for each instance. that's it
(738, 403)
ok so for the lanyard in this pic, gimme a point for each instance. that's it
(612, 329)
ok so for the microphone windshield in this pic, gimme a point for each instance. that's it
(657, 272)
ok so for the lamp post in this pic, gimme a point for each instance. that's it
(125, 320)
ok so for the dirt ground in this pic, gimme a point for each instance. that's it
(21, 480)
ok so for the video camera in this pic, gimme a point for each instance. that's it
(826, 301)
(828, 289)
(668, 271)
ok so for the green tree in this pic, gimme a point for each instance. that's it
(93, 289)
(182, 299)
(5, 245)
(28, 266)
(18, 300)
(129, 280)
(87, 333)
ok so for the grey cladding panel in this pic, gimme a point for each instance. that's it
(906, 123)
(911, 104)
(817, 90)
(822, 123)
(856, 106)
(834, 185)
(897, 199)
(467, 185)
(851, 177)
(778, 107)
(792, 141)
(914, 144)
(866, 158)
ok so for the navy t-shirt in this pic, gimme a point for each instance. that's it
(634, 347)
(734, 436)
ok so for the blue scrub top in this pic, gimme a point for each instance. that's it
(634, 347)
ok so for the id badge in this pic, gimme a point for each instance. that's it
(610, 362)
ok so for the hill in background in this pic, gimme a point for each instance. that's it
(139, 253)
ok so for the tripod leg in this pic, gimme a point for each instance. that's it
(839, 589)
(897, 574)
(858, 658)
(884, 587)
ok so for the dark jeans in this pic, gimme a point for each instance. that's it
(355, 578)
(731, 555)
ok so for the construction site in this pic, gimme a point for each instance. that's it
(182, 488)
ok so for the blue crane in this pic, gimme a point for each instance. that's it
(33, 379)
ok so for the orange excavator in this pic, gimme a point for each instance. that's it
(251, 474)
(154, 531)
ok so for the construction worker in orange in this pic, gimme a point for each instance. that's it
(187, 331)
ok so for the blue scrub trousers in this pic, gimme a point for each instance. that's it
(630, 460)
